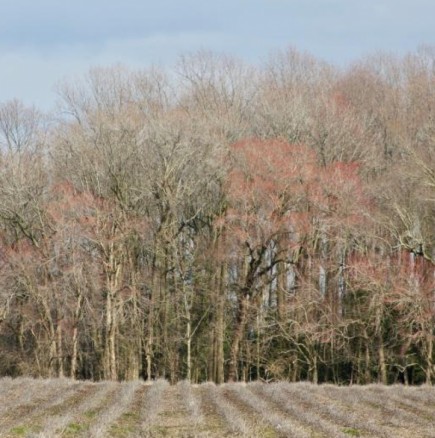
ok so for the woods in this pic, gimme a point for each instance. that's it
(223, 222)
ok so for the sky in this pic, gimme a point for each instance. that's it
(43, 42)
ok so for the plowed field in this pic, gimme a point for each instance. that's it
(65, 408)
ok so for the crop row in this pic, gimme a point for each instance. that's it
(66, 408)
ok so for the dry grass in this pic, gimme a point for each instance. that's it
(309, 418)
(152, 406)
(117, 406)
(231, 414)
(191, 404)
(68, 409)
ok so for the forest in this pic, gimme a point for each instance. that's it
(223, 221)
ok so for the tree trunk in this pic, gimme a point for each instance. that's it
(109, 344)
(315, 370)
(52, 358)
(429, 353)
(189, 347)
(367, 372)
(74, 355)
(239, 329)
(281, 285)
(149, 343)
(112, 345)
(59, 349)
(382, 364)
(219, 329)
(113, 272)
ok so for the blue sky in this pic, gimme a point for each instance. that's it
(45, 41)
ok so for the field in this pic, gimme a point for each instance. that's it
(66, 408)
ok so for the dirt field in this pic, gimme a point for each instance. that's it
(64, 408)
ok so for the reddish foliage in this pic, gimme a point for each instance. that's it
(276, 187)
(68, 203)
(340, 101)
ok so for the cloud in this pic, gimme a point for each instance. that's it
(31, 75)
(53, 22)
(45, 40)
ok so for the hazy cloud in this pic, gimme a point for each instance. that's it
(42, 41)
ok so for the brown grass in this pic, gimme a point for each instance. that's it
(68, 409)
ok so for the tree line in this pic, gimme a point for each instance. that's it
(220, 221)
